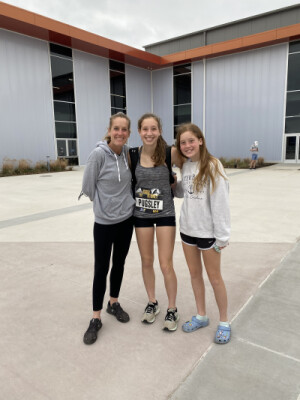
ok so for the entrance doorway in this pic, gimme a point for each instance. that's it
(292, 148)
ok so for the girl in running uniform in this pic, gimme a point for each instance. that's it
(155, 213)
(204, 224)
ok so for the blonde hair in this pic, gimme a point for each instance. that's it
(159, 155)
(111, 120)
(209, 166)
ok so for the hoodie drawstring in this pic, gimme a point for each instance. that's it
(125, 161)
(118, 167)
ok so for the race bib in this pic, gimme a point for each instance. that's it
(149, 201)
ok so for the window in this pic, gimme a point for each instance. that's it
(292, 125)
(65, 130)
(294, 47)
(64, 102)
(64, 111)
(182, 101)
(57, 50)
(62, 79)
(292, 120)
(117, 87)
(293, 103)
(294, 72)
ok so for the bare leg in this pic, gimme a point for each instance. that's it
(145, 240)
(193, 259)
(97, 314)
(165, 241)
(212, 262)
(113, 300)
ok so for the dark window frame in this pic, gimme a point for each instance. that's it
(117, 80)
(182, 95)
(64, 94)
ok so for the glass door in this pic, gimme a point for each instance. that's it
(292, 148)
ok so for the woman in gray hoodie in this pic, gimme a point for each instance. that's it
(107, 183)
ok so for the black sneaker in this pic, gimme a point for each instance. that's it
(116, 310)
(90, 335)
(171, 320)
(150, 312)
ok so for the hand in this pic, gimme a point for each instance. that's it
(173, 186)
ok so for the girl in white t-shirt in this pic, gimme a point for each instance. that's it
(204, 224)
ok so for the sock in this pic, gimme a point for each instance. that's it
(202, 317)
(222, 323)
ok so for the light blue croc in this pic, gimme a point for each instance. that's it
(223, 334)
(194, 324)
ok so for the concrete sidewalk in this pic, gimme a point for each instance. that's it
(46, 256)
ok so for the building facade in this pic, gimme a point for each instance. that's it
(239, 82)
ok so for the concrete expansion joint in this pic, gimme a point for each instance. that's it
(191, 371)
(267, 349)
(265, 280)
(242, 308)
(43, 215)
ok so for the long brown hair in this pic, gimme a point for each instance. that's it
(209, 166)
(111, 120)
(159, 155)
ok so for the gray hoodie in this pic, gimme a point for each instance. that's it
(107, 183)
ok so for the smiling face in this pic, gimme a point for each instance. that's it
(119, 133)
(190, 145)
(149, 131)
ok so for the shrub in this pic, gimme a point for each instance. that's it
(58, 165)
(241, 162)
(245, 162)
(8, 167)
(41, 167)
(24, 167)
(260, 161)
(231, 163)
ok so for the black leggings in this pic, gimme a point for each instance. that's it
(117, 236)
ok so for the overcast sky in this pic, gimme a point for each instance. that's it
(141, 22)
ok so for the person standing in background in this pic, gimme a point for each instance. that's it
(254, 156)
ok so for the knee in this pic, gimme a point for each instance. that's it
(196, 275)
(147, 262)
(166, 268)
(216, 281)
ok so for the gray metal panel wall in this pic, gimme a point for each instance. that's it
(254, 25)
(233, 30)
(92, 100)
(176, 45)
(197, 93)
(26, 111)
(245, 102)
(163, 100)
(138, 98)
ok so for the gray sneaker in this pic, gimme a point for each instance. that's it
(171, 320)
(150, 313)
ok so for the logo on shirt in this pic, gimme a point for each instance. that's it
(188, 183)
(149, 201)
